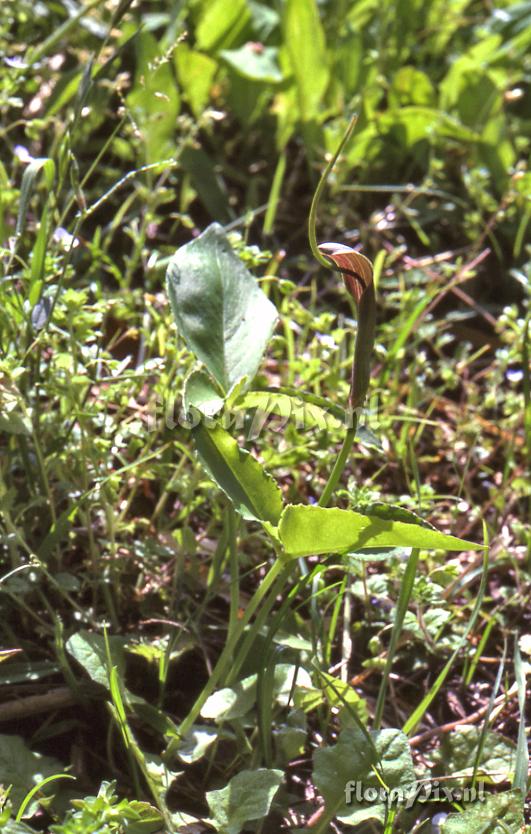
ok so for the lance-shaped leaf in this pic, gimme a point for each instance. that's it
(254, 493)
(306, 530)
(220, 310)
(357, 274)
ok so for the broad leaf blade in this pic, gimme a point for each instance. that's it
(248, 796)
(304, 530)
(200, 392)
(254, 493)
(220, 310)
(305, 42)
(303, 414)
(22, 769)
(154, 98)
(354, 759)
(255, 62)
(88, 648)
(497, 814)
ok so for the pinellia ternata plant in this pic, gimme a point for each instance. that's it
(226, 320)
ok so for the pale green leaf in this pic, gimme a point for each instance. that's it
(301, 413)
(200, 392)
(28, 183)
(354, 759)
(22, 768)
(221, 312)
(88, 649)
(254, 493)
(255, 62)
(231, 701)
(196, 74)
(304, 530)
(248, 796)
(457, 756)
(154, 98)
(500, 813)
(234, 702)
(305, 43)
(196, 743)
(221, 24)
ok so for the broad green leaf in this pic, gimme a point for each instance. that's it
(231, 701)
(254, 493)
(248, 99)
(289, 679)
(21, 768)
(305, 44)
(304, 530)
(255, 62)
(234, 702)
(160, 774)
(395, 767)
(501, 813)
(411, 86)
(297, 396)
(196, 74)
(146, 820)
(207, 183)
(196, 743)
(248, 796)
(201, 393)
(154, 99)
(414, 123)
(28, 181)
(221, 24)
(457, 755)
(342, 695)
(351, 759)
(220, 310)
(291, 740)
(303, 414)
(354, 759)
(88, 649)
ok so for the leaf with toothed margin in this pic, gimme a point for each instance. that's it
(306, 530)
(253, 491)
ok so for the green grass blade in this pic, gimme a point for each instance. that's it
(485, 727)
(29, 796)
(417, 714)
(406, 589)
(522, 752)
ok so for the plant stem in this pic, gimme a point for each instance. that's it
(406, 590)
(340, 463)
(319, 190)
(227, 655)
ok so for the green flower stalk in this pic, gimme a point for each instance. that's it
(357, 272)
